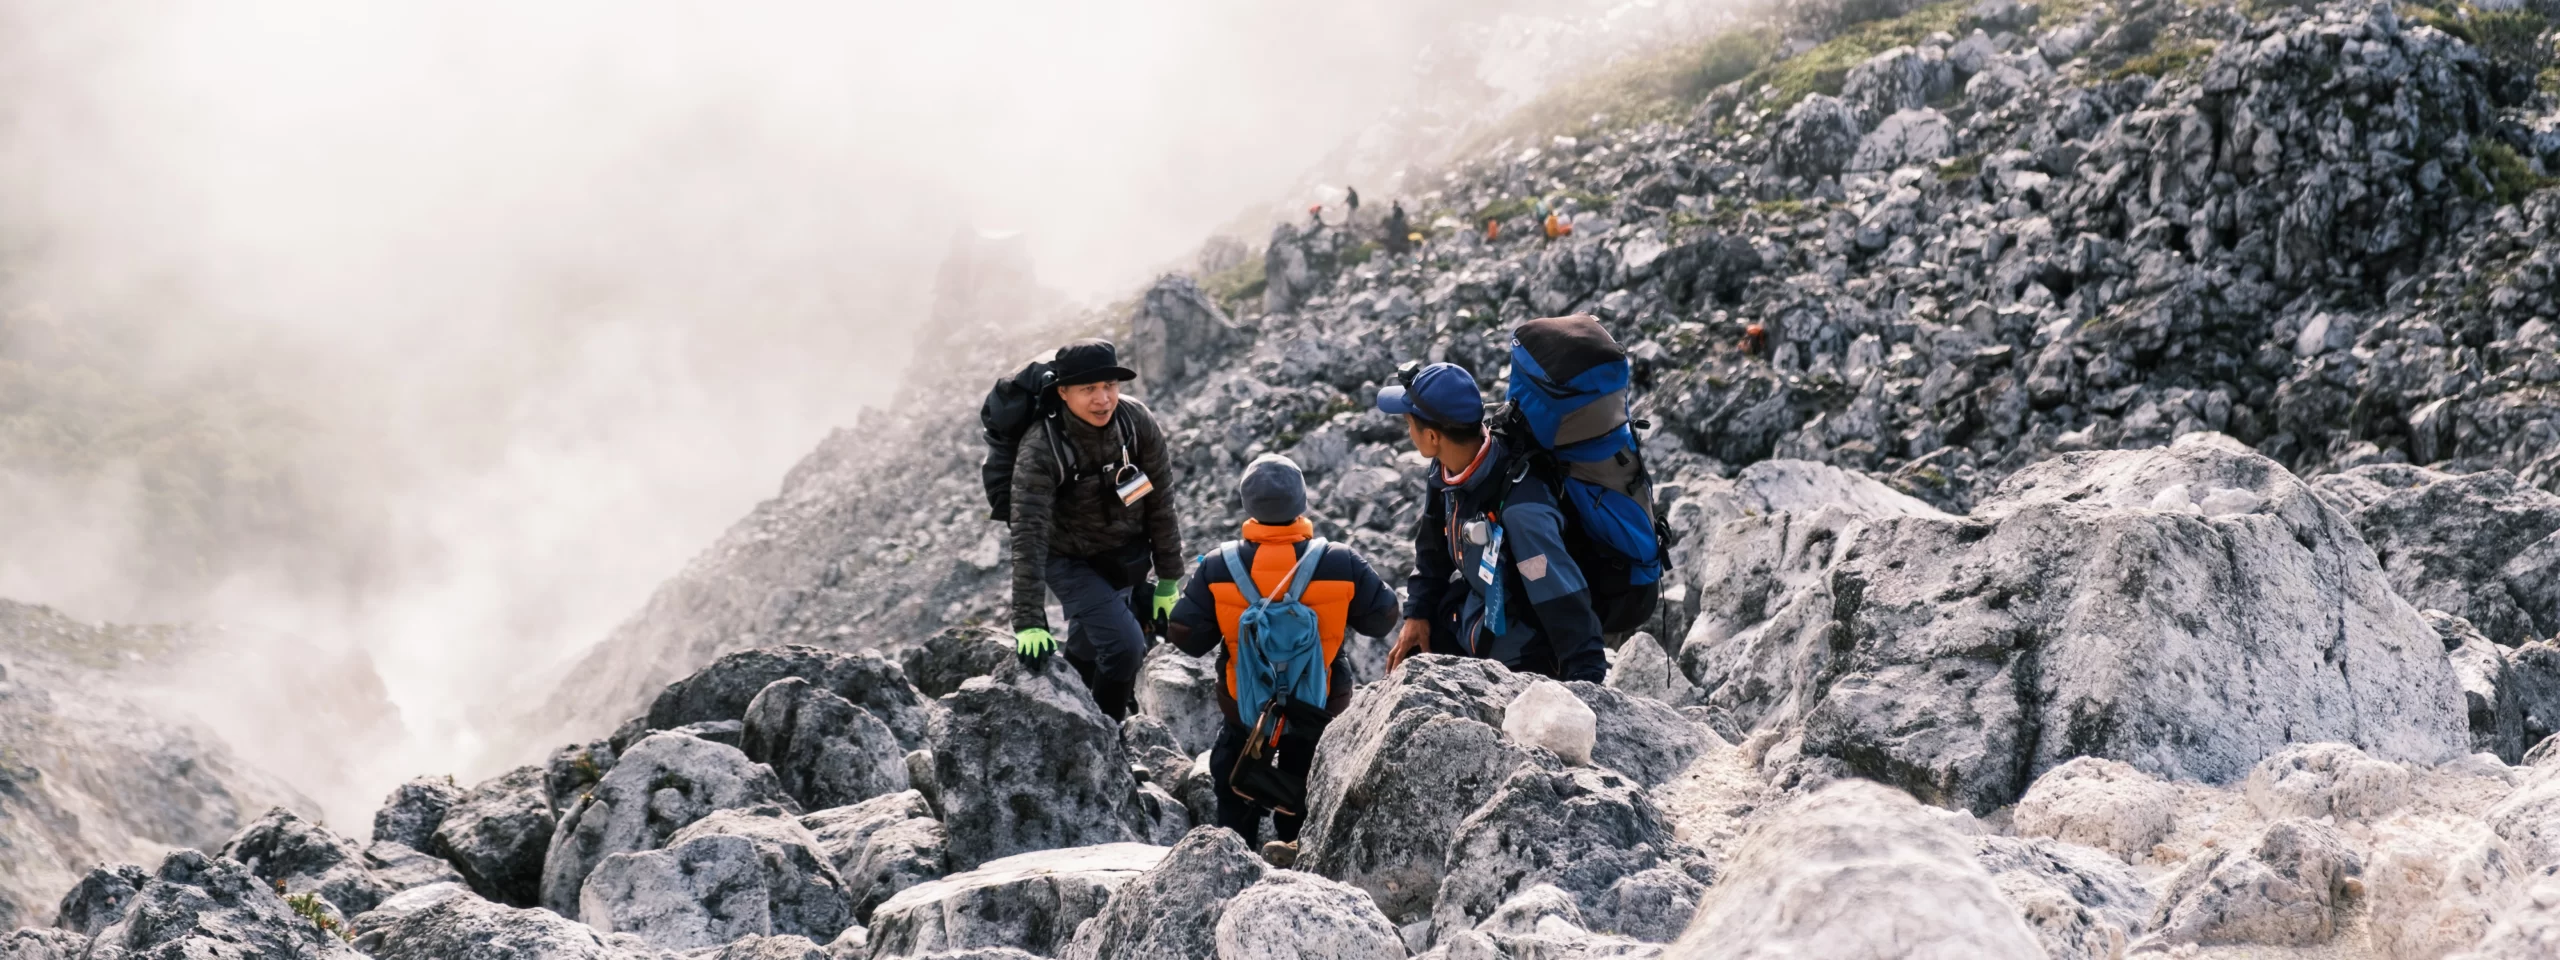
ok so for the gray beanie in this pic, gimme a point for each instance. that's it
(1274, 491)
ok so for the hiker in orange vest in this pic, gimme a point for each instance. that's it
(1755, 340)
(1344, 594)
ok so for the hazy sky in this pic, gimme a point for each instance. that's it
(562, 288)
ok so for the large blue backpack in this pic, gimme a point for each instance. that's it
(1279, 650)
(1567, 419)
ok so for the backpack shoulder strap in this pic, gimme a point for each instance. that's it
(1307, 568)
(1236, 570)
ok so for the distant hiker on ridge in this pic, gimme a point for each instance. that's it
(1399, 238)
(1283, 676)
(1091, 517)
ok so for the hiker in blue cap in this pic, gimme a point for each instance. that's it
(1492, 577)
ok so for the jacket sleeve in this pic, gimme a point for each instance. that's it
(1035, 489)
(1194, 627)
(1164, 526)
(1534, 536)
(1431, 561)
(1373, 603)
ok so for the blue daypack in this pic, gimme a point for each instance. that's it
(1279, 650)
(1567, 420)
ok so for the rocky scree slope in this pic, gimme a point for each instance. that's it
(2135, 539)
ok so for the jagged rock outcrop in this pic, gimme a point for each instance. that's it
(199, 906)
(2480, 546)
(1182, 692)
(828, 752)
(1857, 869)
(725, 689)
(573, 769)
(951, 656)
(413, 811)
(1007, 790)
(449, 922)
(664, 784)
(1397, 772)
(1032, 901)
(402, 868)
(731, 874)
(1295, 916)
(94, 774)
(881, 846)
(2285, 889)
(2326, 781)
(1172, 910)
(2082, 904)
(1585, 832)
(2060, 618)
(498, 835)
(1178, 334)
(298, 857)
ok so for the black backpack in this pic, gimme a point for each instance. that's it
(1013, 406)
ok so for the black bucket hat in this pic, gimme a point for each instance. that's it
(1090, 361)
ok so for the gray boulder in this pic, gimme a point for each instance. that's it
(498, 834)
(1899, 79)
(2529, 819)
(730, 874)
(1643, 668)
(2480, 545)
(401, 868)
(881, 846)
(199, 906)
(951, 656)
(449, 922)
(1397, 772)
(2529, 931)
(2287, 889)
(2069, 615)
(1173, 909)
(1543, 921)
(1298, 916)
(1582, 831)
(805, 893)
(1904, 138)
(784, 947)
(101, 897)
(664, 784)
(723, 690)
(1030, 901)
(410, 815)
(1182, 691)
(574, 768)
(1857, 869)
(2491, 699)
(31, 943)
(1178, 333)
(2081, 903)
(1027, 762)
(298, 856)
(1647, 740)
(828, 752)
(2532, 677)
(1818, 137)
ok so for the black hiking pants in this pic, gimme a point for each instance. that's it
(1245, 816)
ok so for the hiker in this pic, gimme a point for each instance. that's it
(1350, 202)
(1492, 577)
(1399, 234)
(1755, 340)
(1341, 592)
(1090, 521)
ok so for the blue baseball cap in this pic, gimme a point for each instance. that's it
(1441, 393)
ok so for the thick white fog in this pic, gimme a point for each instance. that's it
(541, 296)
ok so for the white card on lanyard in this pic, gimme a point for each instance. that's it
(1487, 567)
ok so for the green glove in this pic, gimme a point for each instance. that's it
(1033, 644)
(1165, 591)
